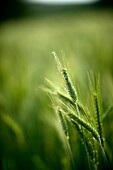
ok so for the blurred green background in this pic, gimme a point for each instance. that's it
(30, 134)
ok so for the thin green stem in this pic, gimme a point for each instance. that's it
(105, 158)
(71, 154)
(82, 131)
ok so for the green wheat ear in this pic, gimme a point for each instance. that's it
(97, 104)
(63, 122)
(69, 85)
(98, 108)
(98, 121)
(65, 129)
(84, 124)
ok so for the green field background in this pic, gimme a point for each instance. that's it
(30, 134)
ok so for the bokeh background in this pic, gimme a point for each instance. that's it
(30, 135)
